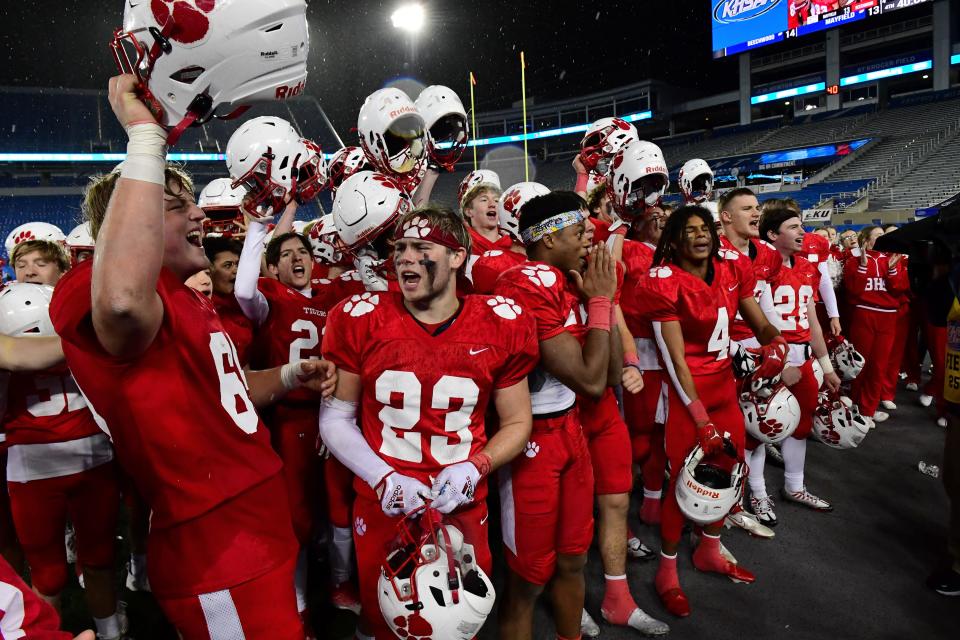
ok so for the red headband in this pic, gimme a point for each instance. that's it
(419, 228)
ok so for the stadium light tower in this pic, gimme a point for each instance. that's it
(409, 18)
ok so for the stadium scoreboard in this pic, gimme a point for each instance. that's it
(743, 25)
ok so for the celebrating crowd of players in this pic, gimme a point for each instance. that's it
(357, 379)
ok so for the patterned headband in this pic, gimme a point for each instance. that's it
(551, 225)
(419, 228)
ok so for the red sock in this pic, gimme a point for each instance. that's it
(618, 604)
(707, 557)
(667, 577)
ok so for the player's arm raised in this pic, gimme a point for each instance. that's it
(127, 310)
(585, 369)
(29, 353)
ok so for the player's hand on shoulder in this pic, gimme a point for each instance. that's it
(318, 375)
(126, 104)
(400, 494)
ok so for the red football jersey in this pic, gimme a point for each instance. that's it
(47, 407)
(236, 324)
(181, 420)
(876, 285)
(424, 396)
(490, 265)
(767, 262)
(480, 245)
(792, 289)
(22, 613)
(703, 310)
(542, 290)
(637, 260)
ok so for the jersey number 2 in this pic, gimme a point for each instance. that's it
(449, 392)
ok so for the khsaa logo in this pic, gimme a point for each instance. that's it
(730, 11)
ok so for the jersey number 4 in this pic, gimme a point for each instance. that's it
(455, 395)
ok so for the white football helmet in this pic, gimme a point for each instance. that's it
(479, 176)
(603, 139)
(696, 181)
(324, 240)
(264, 157)
(706, 492)
(33, 231)
(78, 240)
(431, 585)
(345, 162)
(512, 200)
(846, 359)
(223, 205)
(311, 177)
(25, 309)
(773, 418)
(446, 122)
(198, 59)
(637, 179)
(366, 205)
(838, 424)
(392, 133)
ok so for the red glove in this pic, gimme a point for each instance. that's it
(710, 440)
(773, 358)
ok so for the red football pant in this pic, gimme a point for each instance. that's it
(8, 532)
(338, 483)
(265, 607)
(293, 434)
(718, 392)
(373, 533)
(937, 345)
(646, 434)
(546, 499)
(900, 338)
(872, 333)
(807, 392)
(40, 508)
(608, 442)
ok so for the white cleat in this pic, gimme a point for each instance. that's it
(749, 523)
(137, 581)
(880, 416)
(889, 405)
(643, 622)
(637, 550)
(942, 422)
(588, 626)
(913, 386)
(926, 400)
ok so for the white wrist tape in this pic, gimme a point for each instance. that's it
(146, 153)
(288, 375)
(825, 364)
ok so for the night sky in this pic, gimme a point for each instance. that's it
(354, 50)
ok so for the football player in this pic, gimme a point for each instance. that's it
(693, 288)
(873, 282)
(39, 262)
(792, 290)
(160, 373)
(224, 256)
(417, 371)
(547, 494)
(289, 317)
(740, 219)
(480, 211)
(25, 615)
(201, 282)
(59, 465)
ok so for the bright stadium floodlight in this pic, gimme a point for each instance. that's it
(409, 17)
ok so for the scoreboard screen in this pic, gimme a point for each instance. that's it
(743, 25)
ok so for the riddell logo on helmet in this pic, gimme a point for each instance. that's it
(284, 92)
(656, 169)
(401, 111)
(696, 488)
